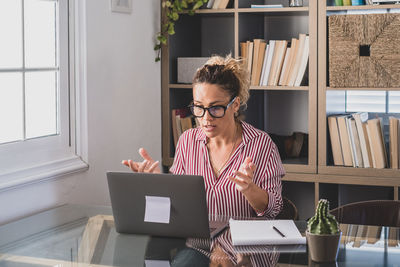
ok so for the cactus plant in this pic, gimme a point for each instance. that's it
(322, 222)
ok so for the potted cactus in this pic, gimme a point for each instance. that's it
(323, 234)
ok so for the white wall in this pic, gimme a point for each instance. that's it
(124, 107)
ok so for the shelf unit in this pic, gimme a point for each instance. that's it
(328, 173)
(239, 23)
(312, 176)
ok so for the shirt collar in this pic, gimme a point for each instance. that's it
(249, 132)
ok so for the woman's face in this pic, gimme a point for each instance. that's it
(208, 95)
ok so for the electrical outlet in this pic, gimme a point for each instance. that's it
(124, 6)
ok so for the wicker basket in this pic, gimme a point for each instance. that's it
(364, 50)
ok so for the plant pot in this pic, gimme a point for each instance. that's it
(323, 248)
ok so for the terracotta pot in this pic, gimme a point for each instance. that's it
(323, 248)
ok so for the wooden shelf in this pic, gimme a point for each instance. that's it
(365, 172)
(362, 89)
(266, 88)
(274, 10)
(362, 7)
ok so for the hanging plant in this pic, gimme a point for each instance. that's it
(172, 9)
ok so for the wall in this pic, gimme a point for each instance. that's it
(123, 107)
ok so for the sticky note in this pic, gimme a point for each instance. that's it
(156, 263)
(158, 209)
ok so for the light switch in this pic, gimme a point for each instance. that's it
(124, 6)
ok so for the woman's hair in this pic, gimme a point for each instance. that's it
(228, 73)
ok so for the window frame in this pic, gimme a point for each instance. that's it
(27, 162)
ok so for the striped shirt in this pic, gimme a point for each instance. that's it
(223, 198)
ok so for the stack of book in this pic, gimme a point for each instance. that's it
(181, 120)
(359, 142)
(217, 4)
(278, 62)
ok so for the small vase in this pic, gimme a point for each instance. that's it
(323, 248)
(294, 3)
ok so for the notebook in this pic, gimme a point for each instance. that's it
(265, 232)
(161, 205)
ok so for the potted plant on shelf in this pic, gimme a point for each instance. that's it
(172, 9)
(323, 234)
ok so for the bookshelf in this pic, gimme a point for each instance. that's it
(387, 179)
(220, 31)
(302, 108)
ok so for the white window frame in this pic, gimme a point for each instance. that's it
(42, 159)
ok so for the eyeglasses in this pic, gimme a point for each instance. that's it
(217, 111)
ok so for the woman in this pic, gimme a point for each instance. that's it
(240, 164)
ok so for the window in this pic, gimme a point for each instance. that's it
(34, 88)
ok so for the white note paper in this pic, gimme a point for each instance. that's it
(156, 263)
(158, 209)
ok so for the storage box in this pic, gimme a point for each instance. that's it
(364, 50)
(187, 67)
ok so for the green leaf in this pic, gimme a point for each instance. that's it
(191, 12)
(163, 40)
(198, 4)
(171, 29)
(157, 59)
(168, 3)
(157, 47)
(175, 16)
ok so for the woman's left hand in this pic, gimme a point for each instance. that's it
(243, 178)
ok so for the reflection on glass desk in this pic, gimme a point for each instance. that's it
(73, 235)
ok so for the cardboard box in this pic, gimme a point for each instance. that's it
(187, 67)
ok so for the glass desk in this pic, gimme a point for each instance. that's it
(74, 235)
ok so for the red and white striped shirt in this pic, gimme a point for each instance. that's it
(223, 198)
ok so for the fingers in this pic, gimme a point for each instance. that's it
(143, 165)
(153, 166)
(144, 154)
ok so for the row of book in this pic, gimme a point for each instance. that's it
(352, 2)
(181, 120)
(359, 142)
(217, 4)
(279, 62)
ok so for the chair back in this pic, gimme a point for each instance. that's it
(289, 210)
(373, 212)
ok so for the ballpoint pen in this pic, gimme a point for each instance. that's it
(277, 230)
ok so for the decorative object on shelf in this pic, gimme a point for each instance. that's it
(357, 2)
(364, 50)
(187, 67)
(338, 2)
(377, 2)
(171, 9)
(294, 3)
(323, 234)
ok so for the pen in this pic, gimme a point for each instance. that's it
(277, 230)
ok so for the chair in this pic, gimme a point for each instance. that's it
(289, 210)
(373, 212)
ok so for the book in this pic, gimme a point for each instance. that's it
(347, 2)
(352, 144)
(373, 234)
(254, 68)
(261, 232)
(277, 62)
(250, 48)
(210, 3)
(264, 65)
(293, 55)
(303, 62)
(243, 53)
(356, 143)
(267, 6)
(335, 141)
(360, 118)
(269, 61)
(345, 141)
(361, 236)
(174, 127)
(186, 123)
(394, 142)
(285, 66)
(377, 143)
(367, 144)
(223, 4)
(297, 60)
(260, 61)
(216, 4)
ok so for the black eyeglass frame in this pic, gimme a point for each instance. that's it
(208, 109)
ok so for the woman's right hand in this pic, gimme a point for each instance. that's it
(147, 165)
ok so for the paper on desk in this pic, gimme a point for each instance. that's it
(158, 209)
(260, 232)
(156, 263)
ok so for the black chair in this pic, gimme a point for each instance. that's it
(289, 210)
(373, 212)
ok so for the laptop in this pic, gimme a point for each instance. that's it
(161, 205)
